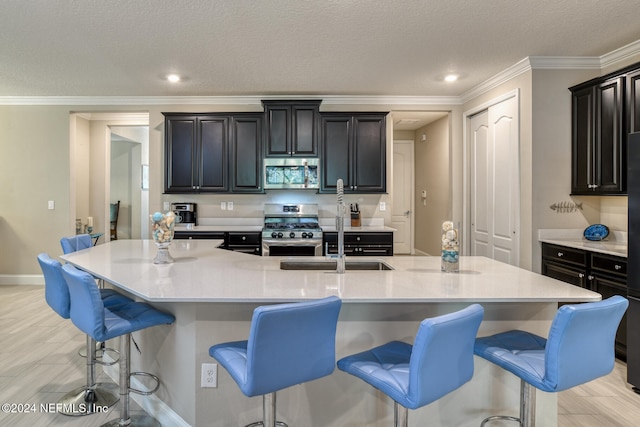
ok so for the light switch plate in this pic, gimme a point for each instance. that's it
(51, 204)
(230, 206)
(223, 206)
(166, 206)
(383, 206)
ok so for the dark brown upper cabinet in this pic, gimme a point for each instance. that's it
(213, 153)
(598, 138)
(196, 153)
(353, 148)
(291, 128)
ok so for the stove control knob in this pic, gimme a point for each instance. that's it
(280, 235)
(309, 235)
(292, 234)
(274, 235)
(304, 235)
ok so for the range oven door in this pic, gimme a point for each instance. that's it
(297, 248)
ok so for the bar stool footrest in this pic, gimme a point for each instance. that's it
(260, 423)
(134, 421)
(501, 417)
(145, 392)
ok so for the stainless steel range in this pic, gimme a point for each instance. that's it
(291, 230)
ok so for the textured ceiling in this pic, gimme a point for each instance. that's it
(291, 47)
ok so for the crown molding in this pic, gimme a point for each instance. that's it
(225, 100)
(620, 54)
(515, 70)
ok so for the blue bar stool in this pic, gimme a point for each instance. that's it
(102, 323)
(288, 344)
(83, 400)
(439, 362)
(75, 243)
(580, 348)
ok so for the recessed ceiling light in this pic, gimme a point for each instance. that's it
(450, 78)
(173, 78)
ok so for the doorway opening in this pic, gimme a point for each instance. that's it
(109, 153)
(421, 180)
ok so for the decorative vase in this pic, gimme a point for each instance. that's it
(450, 248)
(162, 231)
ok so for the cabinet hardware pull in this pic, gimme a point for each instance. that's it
(617, 267)
(590, 277)
(560, 254)
(581, 275)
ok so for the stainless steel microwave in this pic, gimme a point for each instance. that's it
(291, 173)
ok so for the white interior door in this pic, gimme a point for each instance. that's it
(402, 203)
(494, 173)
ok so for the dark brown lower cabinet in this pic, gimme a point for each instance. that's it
(602, 273)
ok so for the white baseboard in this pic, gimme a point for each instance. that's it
(21, 279)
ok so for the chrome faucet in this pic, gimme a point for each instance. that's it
(340, 227)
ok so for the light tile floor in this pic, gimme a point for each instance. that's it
(39, 363)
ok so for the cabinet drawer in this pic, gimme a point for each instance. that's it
(564, 254)
(198, 235)
(609, 264)
(577, 277)
(239, 238)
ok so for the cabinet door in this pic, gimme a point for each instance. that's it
(609, 287)
(180, 154)
(581, 141)
(633, 101)
(336, 153)
(247, 153)
(292, 128)
(608, 150)
(213, 154)
(304, 130)
(278, 130)
(369, 154)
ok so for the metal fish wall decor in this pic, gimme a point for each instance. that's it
(566, 207)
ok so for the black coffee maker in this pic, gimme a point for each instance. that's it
(186, 213)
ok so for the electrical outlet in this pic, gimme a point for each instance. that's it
(166, 206)
(230, 206)
(209, 376)
(51, 204)
(223, 206)
(383, 206)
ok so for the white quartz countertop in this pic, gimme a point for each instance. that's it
(203, 273)
(615, 244)
(604, 247)
(203, 228)
(363, 229)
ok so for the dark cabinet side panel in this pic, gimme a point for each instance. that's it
(180, 154)
(633, 100)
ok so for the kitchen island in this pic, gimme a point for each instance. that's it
(212, 293)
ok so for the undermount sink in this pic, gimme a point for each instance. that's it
(331, 265)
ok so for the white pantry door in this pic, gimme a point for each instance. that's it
(402, 206)
(494, 186)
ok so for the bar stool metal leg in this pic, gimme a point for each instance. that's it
(85, 400)
(268, 413)
(527, 408)
(400, 415)
(126, 419)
